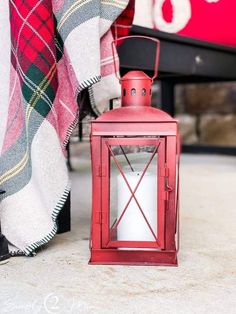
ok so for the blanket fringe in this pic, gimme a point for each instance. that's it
(83, 85)
(30, 249)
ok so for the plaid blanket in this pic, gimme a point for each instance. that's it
(58, 48)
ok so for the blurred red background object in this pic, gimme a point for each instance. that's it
(210, 20)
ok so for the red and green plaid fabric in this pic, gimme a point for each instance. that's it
(58, 48)
(122, 25)
(34, 52)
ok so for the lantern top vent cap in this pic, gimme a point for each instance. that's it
(135, 75)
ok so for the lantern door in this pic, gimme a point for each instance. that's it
(133, 192)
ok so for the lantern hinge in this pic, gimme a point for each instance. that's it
(165, 172)
(100, 217)
(166, 196)
(100, 171)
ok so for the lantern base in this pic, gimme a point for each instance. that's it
(130, 257)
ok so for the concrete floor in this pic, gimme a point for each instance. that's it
(59, 279)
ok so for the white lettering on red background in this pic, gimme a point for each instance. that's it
(181, 14)
(212, 1)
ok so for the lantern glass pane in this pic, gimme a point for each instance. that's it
(133, 193)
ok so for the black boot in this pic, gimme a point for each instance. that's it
(4, 251)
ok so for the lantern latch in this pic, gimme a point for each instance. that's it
(169, 188)
(167, 195)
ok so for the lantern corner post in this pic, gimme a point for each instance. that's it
(105, 179)
(161, 194)
(95, 240)
(171, 205)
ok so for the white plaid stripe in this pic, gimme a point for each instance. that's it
(67, 108)
(75, 6)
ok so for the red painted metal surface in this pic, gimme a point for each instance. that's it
(135, 124)
(106, 149)
(136, 89)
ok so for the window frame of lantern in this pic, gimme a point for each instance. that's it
(106, 242)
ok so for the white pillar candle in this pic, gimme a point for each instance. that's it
(132, 226)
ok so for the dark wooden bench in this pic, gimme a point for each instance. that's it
(182, 61)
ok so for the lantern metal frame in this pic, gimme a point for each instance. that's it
(159, 239)
(135, 125)
(106, 131)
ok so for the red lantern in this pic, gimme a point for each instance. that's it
(135, 161)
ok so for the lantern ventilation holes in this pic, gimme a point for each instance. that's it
(133, 92)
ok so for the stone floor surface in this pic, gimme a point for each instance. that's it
(59, 279)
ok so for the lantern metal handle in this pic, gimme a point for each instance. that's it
(157, 56)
